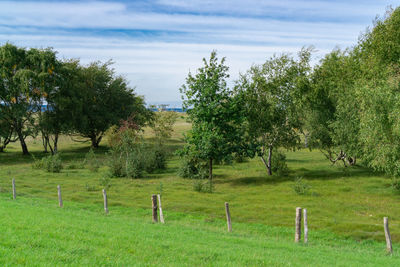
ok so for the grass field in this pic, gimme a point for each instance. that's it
(345, 205)
(35, 232)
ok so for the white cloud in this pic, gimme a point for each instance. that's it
(163, 46)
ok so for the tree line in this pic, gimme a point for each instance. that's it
(43, 95)
(347, 106)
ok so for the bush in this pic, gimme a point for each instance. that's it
(37, 164)
(396, 184)
(50, 163)
(53, 163)
(194, 168)
(130, 157)
(300, 187)
(155, 159)
(278, 163)
(91, 161)
(115, 163)
(134, 165)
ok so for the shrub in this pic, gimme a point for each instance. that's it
(115, 163)
(278, 162)
(130, 157)
(396, 184)
(37, 164)
(300, 187)
(50, 163)
(134, 165)
(155, 158)
(192, 167)
(53, 163)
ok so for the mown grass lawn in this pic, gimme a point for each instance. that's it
(35, 232)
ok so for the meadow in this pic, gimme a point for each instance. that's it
(345, 208)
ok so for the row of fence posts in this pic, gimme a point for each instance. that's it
(157, 206)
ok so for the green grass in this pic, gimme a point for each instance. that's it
(346, 203)
(36, 232)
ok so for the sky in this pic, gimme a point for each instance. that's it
(155, 43)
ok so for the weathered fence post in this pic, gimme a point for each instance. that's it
(60, 202)
(389, 248)
(105, 201)
(305, 226)
(228, 217)
(154, 206)
(297, 235)
(14, 190)
(159, 204)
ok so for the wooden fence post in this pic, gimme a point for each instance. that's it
(159, 204)
(154, 206)
(14, 190)
(305, 226)
(389, 248)
(105, 201)
(228, 217)
(297, 235)
(60, 202)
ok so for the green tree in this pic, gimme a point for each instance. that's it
(378, 91)
(20, 88)
(7, 134)
(214, 112)
(103, 99)
(162, 124)
(56, 116)
(332, 119)
(272, 93)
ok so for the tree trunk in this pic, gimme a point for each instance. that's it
(22, 141)
(95, 144)
(45, 143)
(95, 140)
(55, 144)
(269, 160)
(99, 140)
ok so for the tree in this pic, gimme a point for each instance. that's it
(55, 116)
(162, 124)
(332, 119)
(102, 99)
(271, 92)
(20, 88)
(214, 112)
(378, 91)
(6, 133)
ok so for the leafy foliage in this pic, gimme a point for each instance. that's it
(162, 124)
(52, 163)
(214, 112)
(272, 96)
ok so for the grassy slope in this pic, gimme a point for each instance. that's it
(35, 232)
(350, 202)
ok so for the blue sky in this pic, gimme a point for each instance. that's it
(155, 43)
